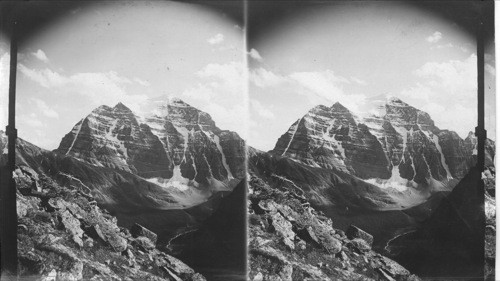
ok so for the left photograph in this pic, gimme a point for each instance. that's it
(130, 157)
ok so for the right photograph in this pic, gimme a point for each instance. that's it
(366, 153)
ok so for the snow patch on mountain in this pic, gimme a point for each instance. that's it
(293, 135)
(224, 161)
(176, 181)
(77, 132)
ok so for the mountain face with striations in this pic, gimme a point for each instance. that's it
(396, 146)
(176, 146)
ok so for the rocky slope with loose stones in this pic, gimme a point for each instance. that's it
(64, 235)
(289, 240)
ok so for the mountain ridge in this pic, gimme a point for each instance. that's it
(396, 145)
(176, 145)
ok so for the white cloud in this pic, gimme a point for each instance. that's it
(448, 92)
(263, 78)
(325, 84)
(221, 93)
(320, 87)
(98, 87)
(44, 108)
(261, 110)
(31, 120)
(326, 87)
(443, 46)
(254, 54)
(41, 55)
(142, 82)
(435, 37)
(450, 45)
(358, 81)
(230, 75)
(456, 78)
(216, 39)
(490, 69)
(45, 77)
(4, 89)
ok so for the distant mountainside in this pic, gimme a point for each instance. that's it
(397, 146)
(176, 147)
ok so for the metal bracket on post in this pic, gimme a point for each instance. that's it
(480, 133)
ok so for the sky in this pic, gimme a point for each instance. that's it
(127, 52)
(349, 53)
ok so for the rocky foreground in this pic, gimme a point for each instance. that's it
(64, 235)
(289, 240)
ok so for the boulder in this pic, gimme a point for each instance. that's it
(284, 229)
(72, 225)
(144, 243)
(355, 232)
(359, 244)
(138, 230)
(96, 231)
(331, 244)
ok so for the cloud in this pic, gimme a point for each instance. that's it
(263, 78)
(452, 83)
(216, 39)
(490, 69)
(435, 37)
(45, 77)
(142, 82)
(41, 55)
(221, 92)
(31, 120)
(254, 54)
(450, 45)
(229, 75)
(357, 80)
(443, 46)
(261, 110)
(325, 84)
(455, 77)
(4, 89)
(98, 87)
(44, 108)
(320, 87)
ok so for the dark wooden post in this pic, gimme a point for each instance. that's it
(480, 131)
(8, 187)
(481, 139)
